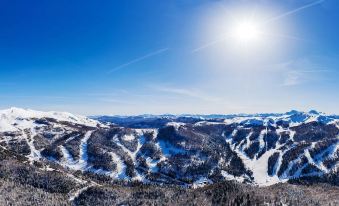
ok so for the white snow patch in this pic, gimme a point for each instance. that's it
(176, 125)
(14, 119)
(201, 182)
(128, 137)
(69, 161)
(78, 192)
(120, 171)
(228, 176)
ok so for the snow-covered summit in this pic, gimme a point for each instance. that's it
(13, 118)
(293, 118)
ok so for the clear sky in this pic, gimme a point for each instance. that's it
(175, 56)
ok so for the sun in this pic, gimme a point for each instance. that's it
(246, 31)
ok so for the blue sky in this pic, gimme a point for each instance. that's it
(136, 57)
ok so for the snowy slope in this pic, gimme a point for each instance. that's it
(14, 119)
(261, 149)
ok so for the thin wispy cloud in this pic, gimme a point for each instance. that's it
(297, 77)
(209, 44)
(121, 97)
(186, 92)
(301, 71)
(285, 36)
(294, 11)
(122, 93)
(115, 101)
(292, 78)
(136, 60)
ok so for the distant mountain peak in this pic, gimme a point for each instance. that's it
(315, 112)
(293, 112)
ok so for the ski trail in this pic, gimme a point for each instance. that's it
(120, 171)
(83, 150)
(68, 158)
(77, 193)
(34, 153)
(70, 162)
(133, 155)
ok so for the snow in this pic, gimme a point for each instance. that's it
(48, 168)
(83, 150)
(259, 168)
(168, 149)
(69, 161)
(14, 119)
(67, 157)
(306, 154)
(329, 152)
(228, 176)
(202, 181)
(294, 118)
(128, 137)
(22, 122)
(237, 120)
(35, 154)
(261, 140)
(176, 125)
(277, 164)
(77, 193)
(292, 134)
(202, 123)
(120, 172)
(6, 124)
(129, 152)
(335, 122)
(280, 130)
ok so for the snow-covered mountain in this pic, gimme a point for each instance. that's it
(16, 119)
(189, 150)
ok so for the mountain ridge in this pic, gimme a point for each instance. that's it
(192, 151)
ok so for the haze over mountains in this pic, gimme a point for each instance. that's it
(189, 151)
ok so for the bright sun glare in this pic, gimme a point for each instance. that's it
(246, 31)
